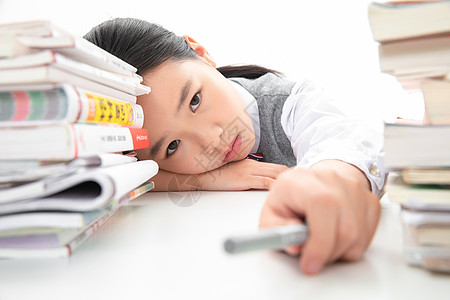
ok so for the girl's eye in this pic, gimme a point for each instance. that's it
(172, 147)
(195, 102)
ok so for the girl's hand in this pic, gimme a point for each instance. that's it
(241, 175)
(335, 200)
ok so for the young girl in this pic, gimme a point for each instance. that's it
(203, 122)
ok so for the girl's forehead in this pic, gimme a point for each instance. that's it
(165, 69)
(171, 66)
(170, 83)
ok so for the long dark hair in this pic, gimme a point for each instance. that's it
(146, 45)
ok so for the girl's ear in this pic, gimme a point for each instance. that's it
(202, 52)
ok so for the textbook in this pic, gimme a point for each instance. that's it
(75, 81)
(412, 146)
(427, 239)
(436, 94)
(66, 103)
(423, 197)
(20, 171)
(50, 245)
(408, 19)
(65, 141)
(25, 223)
(83, 190)
(69, 125)
(42, 28)
(63, 69)
(426, 176)
(414, 46)
(46, 57)
(58, 241)
(31, 36)
(425, 57)
(50, 222)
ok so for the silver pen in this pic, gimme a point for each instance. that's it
(270, 238)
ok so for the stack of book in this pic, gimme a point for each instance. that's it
(69, 123)
(414, 46)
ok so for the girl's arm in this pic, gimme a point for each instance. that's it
(241, 175)
(335, 199)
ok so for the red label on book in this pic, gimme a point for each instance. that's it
(140, 138)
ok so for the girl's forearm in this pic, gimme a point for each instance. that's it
(168, 181)
(241, 175)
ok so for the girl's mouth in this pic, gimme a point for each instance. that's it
(233, 150)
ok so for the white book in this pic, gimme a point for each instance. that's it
(75, 81)
(51, 245)
(56, 241)
(27, 37)
(62, 68)
(86, 189)
(13, 224)
(412, 146)
(65, 141)
(410, 57)
(391, 21)
(21, 171)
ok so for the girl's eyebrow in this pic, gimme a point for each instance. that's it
(157, 146)
(184, 93)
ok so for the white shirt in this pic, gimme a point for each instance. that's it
(319, 129)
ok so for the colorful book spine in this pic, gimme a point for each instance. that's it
(136, 193)
(96, 225)
(67, 103)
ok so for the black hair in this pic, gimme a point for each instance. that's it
(146, 45)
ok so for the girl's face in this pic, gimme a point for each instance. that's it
(195, 118)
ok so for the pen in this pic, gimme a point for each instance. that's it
(270, 238)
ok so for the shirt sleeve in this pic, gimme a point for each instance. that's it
(319, 129)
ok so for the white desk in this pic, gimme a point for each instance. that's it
(157, 250)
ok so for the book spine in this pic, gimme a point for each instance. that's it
(50, 74)
(47, 35)
(97, 108)
(103, 55)
(136, 193)
(89, 231)
(67, 141)
(17, 107)
(126, 83)
(92, 139)
(68, 104)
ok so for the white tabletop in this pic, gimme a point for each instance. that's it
(156, 249)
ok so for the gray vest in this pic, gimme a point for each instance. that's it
(271, 92)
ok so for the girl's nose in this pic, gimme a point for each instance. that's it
(210, 140)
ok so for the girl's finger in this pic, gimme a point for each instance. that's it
(267, 169)
(322, 218)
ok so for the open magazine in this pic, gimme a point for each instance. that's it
(79, 187)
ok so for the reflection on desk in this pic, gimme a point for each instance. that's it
(154, 249)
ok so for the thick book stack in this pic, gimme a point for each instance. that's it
(68, 112)
(414, 46)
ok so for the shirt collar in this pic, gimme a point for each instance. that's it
(252, 109)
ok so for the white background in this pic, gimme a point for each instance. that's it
(327, 41)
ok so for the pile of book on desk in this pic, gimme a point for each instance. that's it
(414, 46)
(68, 112)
